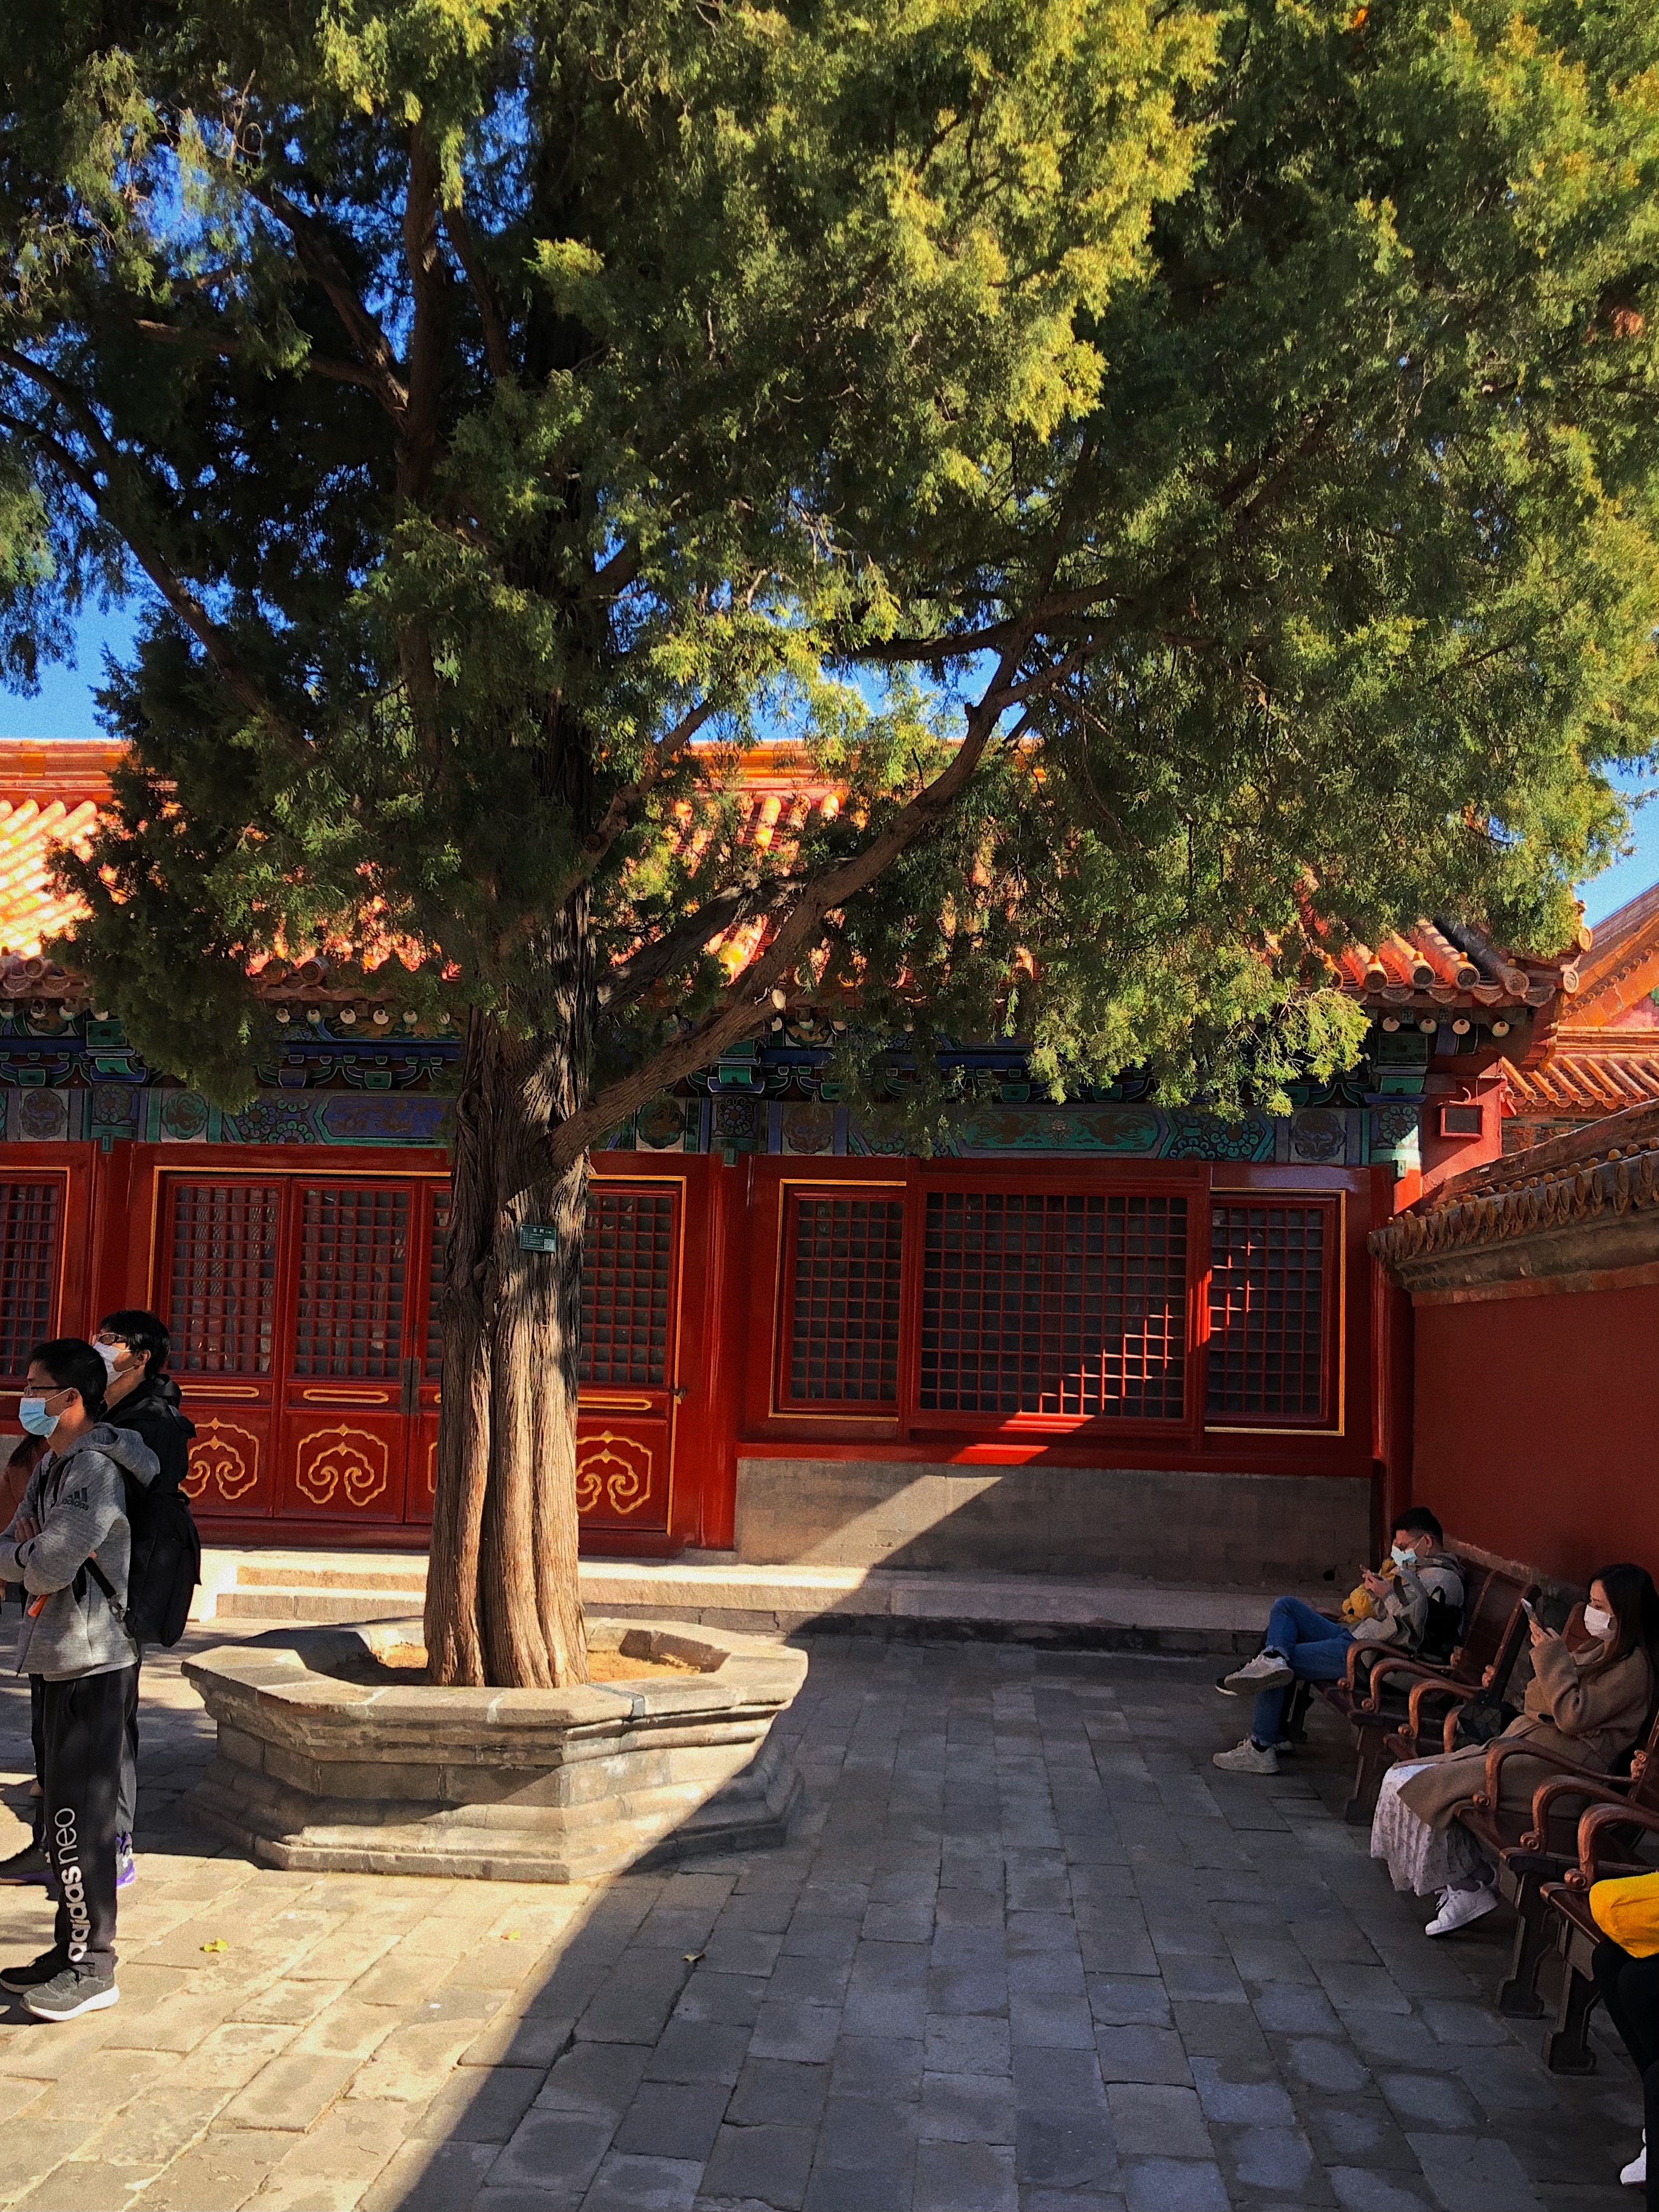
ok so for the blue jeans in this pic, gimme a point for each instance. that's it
(1315, 1649)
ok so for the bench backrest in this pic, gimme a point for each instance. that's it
(1496, 1631)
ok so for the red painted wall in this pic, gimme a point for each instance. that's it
(1536, 1429)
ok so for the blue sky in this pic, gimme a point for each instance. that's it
(63, 708)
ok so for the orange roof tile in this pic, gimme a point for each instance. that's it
(49, 793)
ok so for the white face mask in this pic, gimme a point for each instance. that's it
(111, 1356)
(1598, 1624)
(1403, 1556)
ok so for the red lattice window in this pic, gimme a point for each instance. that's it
(354, 1255)
(1268, 1311)
(435, 1289)
(222, 1281)
(1064, 1304)
(30, 1222)
(627, 1277)
(843, 1276)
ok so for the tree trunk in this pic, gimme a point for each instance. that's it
(503, 1606)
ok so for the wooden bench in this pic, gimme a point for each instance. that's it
(1532, 1849)
(1391, 1698)
(1604, 1833)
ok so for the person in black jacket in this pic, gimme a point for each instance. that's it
(134, 1345)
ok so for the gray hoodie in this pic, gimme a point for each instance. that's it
(1404, 1609)
(80, 1501)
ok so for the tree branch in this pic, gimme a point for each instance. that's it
(630, 979)
(419, 427)
(321, 262)
(750, 995)
(117, 469)
(497, 351)
(314, 364)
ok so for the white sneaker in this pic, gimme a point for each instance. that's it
(1247, 1757)
(1458, 1907)
(1267, 1671)
(1636, 2173)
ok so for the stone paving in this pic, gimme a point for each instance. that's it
(1026, 1950)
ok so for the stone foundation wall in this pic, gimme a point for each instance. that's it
(1176, 1527)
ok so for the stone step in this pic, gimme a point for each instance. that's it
(264, 1589)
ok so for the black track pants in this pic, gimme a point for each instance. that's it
(1630, 1990)
(84, 1724)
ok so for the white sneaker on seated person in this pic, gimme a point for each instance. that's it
(1268, 1670)
(1458, 1907)
(1634, 2176)
(1248, 1758)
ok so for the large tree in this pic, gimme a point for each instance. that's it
(1183, 473)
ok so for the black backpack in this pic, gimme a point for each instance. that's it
(166, 1565)
(1442, 1630)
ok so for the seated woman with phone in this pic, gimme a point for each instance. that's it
(1589, 1701)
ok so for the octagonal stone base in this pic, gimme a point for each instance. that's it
(329, 1760)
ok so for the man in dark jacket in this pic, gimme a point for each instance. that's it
(143, 1397)
(70, 1544)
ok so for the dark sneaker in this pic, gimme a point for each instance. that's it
(30, 1864)
(68, 1994)
(35, 1975)
(126, 1866)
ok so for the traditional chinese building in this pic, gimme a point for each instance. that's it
(1108, 1335)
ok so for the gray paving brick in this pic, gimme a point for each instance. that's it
(481, 2106)
(1142, 2054)
(1059, 2149)
(769, 2163)
(964, 2177)
(1433, 2101)
(773, 2092)
(1278, 2160)
(595, 2078)
(1173, 2185)
(1151, 2120)
(1474, 2173)
(966, 2108)
(628, 2183)
(673, 2119)
(970, 2043)
(1257, 2103)
(555, 2152)
(872, 2133)
(1359, 2189)
(789, 2030)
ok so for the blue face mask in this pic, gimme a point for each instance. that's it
(31, 1413)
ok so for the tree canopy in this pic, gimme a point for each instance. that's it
(1185, 473)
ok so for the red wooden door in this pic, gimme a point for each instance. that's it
(356, 1316)
(630, 1391)
(217, 1270)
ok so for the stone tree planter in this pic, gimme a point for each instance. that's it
(329, 1760)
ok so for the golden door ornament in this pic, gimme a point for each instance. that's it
(350, 1460)
(617, 1467)
(225, 1456)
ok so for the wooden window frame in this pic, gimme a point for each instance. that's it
(1330, 1419)
(885, 1410)
(906, 1421)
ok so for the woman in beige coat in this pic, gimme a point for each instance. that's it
(1584, 1707)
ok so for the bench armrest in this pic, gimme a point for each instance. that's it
(1548, 1794)
(1593, 1852)
(1523, 1746)
(1423, 1671)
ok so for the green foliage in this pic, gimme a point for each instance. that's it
(1250, 407)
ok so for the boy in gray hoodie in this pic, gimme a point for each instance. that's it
(70, 1544)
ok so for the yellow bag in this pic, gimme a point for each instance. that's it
(1358, 1605)
(1626, 1908)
